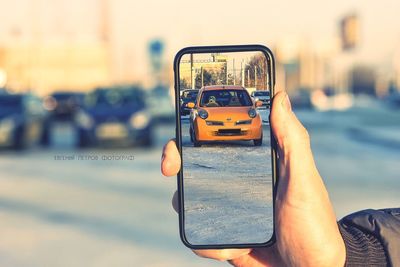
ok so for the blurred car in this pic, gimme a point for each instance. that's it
(21, 120)
(114, 115)
(187, 95)
(263, 96)
(393, 99)
(161, 105)
(301, 99)
(63, 105)
(225, 113)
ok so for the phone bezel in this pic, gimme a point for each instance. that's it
(222, 49)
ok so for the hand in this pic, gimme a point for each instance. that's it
(306, 230)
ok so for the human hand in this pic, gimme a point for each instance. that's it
(306, 230)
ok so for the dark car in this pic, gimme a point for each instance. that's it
(114, 116)
(63, 105)
(188, 95)
(21, 120)
(263, 96)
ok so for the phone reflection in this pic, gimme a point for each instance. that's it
(226, 153)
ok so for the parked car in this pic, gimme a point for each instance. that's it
(21, 120)
(63, 105)
(114, 116)
(263, 96)
(225, 113)
(161, 105)
(187, 95)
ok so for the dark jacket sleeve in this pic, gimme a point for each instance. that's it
(372, 237)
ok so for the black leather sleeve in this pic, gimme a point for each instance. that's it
(372, 237)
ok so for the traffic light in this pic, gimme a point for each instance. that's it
(349, 30)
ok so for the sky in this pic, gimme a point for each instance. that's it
(132, 24)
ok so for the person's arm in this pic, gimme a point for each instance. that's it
(372, 237)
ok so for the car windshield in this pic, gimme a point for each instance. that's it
(261, 93)
(225, 98)
(190, 95)
(63, 96)
(114, 97)
(10, 101)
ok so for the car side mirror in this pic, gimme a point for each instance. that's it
(190, 105)
(259, 103)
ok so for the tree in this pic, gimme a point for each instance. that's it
(210, 78)
(257, 68)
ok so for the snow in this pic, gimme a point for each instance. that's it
(227, 191)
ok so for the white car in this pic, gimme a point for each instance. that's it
(263, 96)
(161, 104)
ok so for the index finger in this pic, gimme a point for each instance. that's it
(171, 159)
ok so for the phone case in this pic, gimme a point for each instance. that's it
(226, 48)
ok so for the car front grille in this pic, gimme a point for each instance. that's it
(243, 122)
(230, 132)
(214, 123)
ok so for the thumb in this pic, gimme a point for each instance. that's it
(296, 162)
(290, 134)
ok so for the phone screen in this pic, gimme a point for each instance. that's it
(225, 142)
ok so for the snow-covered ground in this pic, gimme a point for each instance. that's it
(118, 213)
(227, 191)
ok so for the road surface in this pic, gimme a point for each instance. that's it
(228, 191)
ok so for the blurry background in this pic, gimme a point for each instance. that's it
(74, 194)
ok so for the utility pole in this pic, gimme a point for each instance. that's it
(255, 77)
(191, 72)
(234, 73)
(202, 76)
(248, 77)
(226, 73)
(104, 28)
(242, 72)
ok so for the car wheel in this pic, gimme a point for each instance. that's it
(45, 136)
(195, 142)
(83, 141)
(147, 141)
(258, 142)
(191, 135)
(19, 142)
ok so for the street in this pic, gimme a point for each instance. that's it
(228, 191)
(118, 212)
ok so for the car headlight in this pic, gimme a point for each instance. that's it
(139, 120)
(7, 125)
(252, 113)
(84, 120)
(203, 114)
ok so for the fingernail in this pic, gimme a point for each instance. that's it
(286, 103)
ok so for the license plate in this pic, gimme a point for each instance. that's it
(111, 131)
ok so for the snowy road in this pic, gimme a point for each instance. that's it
(228, 191)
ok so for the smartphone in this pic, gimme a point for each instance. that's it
(226, 185)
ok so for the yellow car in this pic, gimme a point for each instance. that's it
(225, 113)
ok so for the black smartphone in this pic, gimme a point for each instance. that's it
(227, 180)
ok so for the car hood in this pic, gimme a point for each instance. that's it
(9, 113)
(187, 100)
(228, 113)
(109, 113)
(262, 97)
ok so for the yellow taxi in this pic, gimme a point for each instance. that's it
(225, 113)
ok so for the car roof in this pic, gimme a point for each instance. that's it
(222, 87)
(12, 95)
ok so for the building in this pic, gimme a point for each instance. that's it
(192, 75)
(55, 66)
